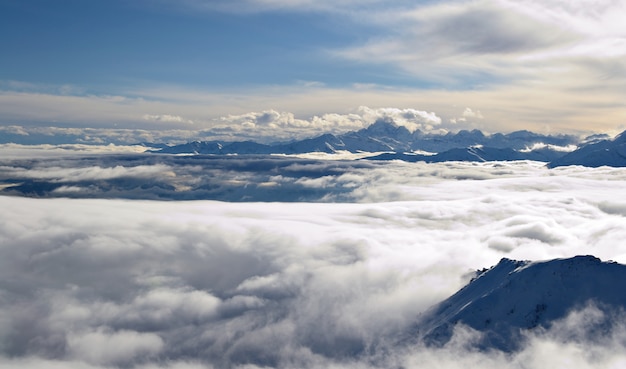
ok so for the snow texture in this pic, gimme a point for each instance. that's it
(516, 296)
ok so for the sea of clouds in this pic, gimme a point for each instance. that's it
(329, 278)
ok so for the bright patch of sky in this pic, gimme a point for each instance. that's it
(549, 66)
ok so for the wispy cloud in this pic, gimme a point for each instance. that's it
(496, 39)
(166, 118)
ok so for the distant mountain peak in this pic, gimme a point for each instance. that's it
(607, 152)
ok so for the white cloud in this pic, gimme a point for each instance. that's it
(412, 119)
(284, 125)
(267, 119)
(94, 173)
(272, 125)
(134, 283)
(469, 113)
(540, 145)
(32, 151)
(17, 130)
(166, 118)
(105, 347)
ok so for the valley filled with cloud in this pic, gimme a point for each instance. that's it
(286, 262)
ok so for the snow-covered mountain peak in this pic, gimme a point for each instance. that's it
(513, 296)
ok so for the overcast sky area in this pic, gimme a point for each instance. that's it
(296, 68)
(94, 283)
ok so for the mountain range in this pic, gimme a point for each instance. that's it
(515, 297)
(382, 136)
(398, 143)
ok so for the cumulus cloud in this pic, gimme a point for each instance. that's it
(283, 125)
(468, 115)
(265, 119)
(112, 283)
(412, 119)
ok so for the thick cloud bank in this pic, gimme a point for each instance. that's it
(270, 178)
(97, 283)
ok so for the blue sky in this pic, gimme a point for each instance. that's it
(496, 65)
(103, 44)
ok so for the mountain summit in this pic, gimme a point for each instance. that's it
(517, 296)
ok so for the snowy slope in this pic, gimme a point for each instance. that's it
(518, 295)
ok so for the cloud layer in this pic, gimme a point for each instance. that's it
(98, 283)
(310, 178)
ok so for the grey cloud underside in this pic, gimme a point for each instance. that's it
(482, 29)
